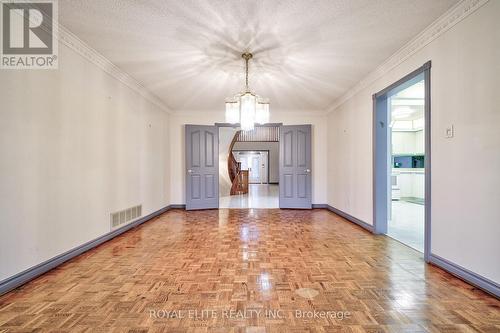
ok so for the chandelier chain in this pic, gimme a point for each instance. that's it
(246, 74)
(247, 56)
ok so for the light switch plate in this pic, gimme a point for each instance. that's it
(450, 132)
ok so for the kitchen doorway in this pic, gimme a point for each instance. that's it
(407, 128)
(402, 160)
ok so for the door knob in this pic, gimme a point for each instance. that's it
(307, 170)
(190, 171)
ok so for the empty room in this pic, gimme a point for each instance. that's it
(250, 166)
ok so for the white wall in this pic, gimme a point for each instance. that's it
(319, 153)
(274, 156)
(465, 77)
(75, 145)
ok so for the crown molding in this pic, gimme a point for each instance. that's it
(445, 22)
(76, 44)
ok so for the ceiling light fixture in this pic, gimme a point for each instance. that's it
(247, 108)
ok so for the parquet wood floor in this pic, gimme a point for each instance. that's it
(277, 265)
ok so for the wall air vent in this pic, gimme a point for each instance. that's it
(125, 216)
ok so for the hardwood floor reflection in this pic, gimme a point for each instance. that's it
(249, 270)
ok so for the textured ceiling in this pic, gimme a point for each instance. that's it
(306, 52)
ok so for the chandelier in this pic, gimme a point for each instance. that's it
(247, 108)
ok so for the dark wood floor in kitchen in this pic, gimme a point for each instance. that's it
(249, 271)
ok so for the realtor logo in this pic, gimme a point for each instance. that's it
(28, 34)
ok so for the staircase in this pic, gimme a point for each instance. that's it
(238, 177)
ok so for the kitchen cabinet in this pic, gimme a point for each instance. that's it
(408, 143)
(411, 182)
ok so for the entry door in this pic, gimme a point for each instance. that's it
(202, 167)
(295, 167)
(254, 175)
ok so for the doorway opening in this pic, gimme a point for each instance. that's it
(213, 174)
(249, 167)
(402, 160)
(407, 127)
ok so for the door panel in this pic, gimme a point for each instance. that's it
(287, 150)
(288, 186)
(195, 151)
(195, 186)
(302, 186)
(295, 167)
(209, 149)
(209, 186)
(301, 149)
(202, 167)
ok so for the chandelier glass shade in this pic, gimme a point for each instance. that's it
(247, 108)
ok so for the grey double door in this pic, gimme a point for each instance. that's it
(295, 167)
(202, 167)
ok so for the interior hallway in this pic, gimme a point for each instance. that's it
(249, 259)
(258, 196)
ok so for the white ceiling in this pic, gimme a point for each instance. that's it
(307, 53)
(408, 104)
